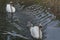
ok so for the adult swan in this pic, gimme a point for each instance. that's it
(10, 8)
(36, 31)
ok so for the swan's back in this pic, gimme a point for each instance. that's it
(35, 31)
(10, 8)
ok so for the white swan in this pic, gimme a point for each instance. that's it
(10, 8)
(36, 31)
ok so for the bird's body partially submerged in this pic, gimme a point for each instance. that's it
(10, 8)
(36, 32)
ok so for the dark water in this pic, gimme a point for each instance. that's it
(24, 15)
(53, 31)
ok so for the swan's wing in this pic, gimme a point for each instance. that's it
(13, 9)
(10, 8)
(36, 30)
(32, 31)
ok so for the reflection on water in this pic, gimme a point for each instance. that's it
(53, 31)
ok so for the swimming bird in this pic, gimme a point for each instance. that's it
(36, 31)
(10, 8)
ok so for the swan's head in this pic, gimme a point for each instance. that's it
(40, 25)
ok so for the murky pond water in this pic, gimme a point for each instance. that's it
(53, 31)
(36, 15)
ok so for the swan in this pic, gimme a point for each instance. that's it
(36, 31)
(10, 8)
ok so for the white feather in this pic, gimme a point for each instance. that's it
(35, 32)
(10, 8)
